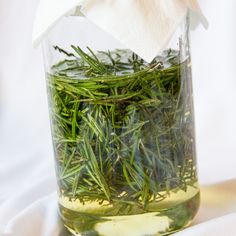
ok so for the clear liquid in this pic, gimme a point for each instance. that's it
(124, 145)
(104, 219)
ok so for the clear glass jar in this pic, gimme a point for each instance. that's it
(123, 132)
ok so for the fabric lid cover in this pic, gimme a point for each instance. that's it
(144, 26)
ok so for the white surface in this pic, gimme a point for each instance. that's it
(27, 183)
(118, 17)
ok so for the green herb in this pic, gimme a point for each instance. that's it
(122, 128)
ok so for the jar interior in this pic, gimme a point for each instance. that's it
(123, 133)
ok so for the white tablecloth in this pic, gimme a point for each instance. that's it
(27, 180)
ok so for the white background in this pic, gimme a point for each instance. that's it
(26, 160)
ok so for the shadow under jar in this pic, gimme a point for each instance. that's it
(123, 132)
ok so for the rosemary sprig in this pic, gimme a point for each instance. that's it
(122, 128)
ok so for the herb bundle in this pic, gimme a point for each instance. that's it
(123, 129)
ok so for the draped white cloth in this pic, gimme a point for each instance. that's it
(109, 15)
(27, 180)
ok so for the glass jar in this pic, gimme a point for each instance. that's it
(123, 132)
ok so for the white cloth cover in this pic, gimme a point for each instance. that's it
(144, 26)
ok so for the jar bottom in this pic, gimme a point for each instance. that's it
(171, 216)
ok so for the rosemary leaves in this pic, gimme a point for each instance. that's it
(123, 131)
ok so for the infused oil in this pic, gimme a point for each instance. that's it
(124, 142)
(95, 218)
